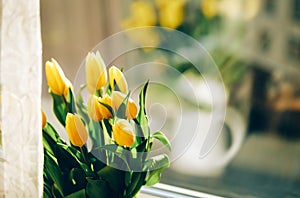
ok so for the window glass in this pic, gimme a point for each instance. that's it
(296, 11)
(270, 6)
(257, 152)
(294, 48)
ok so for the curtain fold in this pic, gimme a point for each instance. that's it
(21, 56)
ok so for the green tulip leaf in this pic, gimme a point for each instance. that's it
(121, 112)
(75, 155)
(96, 133)
(119, 154)
(98, 188)
(128, 177)
(56, 191)
(77, 194)
(141, 120)
(134, 180)
(59, 108)
(107, 126)
(95, 163)
(48, 143)
(155, 166)
(81, 107)
(70, 100)
(49, 130)
(162, 138)
(139, 184)
(47, 190)
(115, 179)
(53, 172)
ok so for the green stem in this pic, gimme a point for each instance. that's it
(91, 174)
(84, 157)
(66, 104)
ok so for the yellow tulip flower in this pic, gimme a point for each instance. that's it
(94, 108)
(44, 119)
(57, 81)
(123, 133)
(98, 111)
(96, 74)
(116, 76)
(76, 130)
(117, 99)
(171, 14)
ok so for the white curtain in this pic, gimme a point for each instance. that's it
(21, 58)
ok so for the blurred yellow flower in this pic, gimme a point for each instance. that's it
(123, 133)
(209, 8)
(117, 99)
(96, 74)
(76, 130)
(57, 81)
(116, 76)
(44, 119)
(171, 12)
(142, 14)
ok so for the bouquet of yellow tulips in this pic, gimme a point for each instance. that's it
(116, 163)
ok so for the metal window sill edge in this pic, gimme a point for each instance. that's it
(168, 191)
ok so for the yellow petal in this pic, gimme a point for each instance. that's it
(117, 99)
(96, 74)
(116, 76)
(105, 113)
(44, 119)
(67, 87)
(55, 77)
(123, 133)
(131, 110)
(76, 130)
(94, 108)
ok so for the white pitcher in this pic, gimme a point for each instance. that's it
(212, 164)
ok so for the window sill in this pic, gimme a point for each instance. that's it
(164, 190)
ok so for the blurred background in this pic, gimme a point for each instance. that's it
(256, 46)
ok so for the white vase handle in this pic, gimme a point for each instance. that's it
(237, 128)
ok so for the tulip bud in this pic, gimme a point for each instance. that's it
(44, 119)
(96, 74)
(98, 111)
(116, 76)
(94, 108)
(57, 81)
(118, 98)
(76, 130)
(123, 133)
